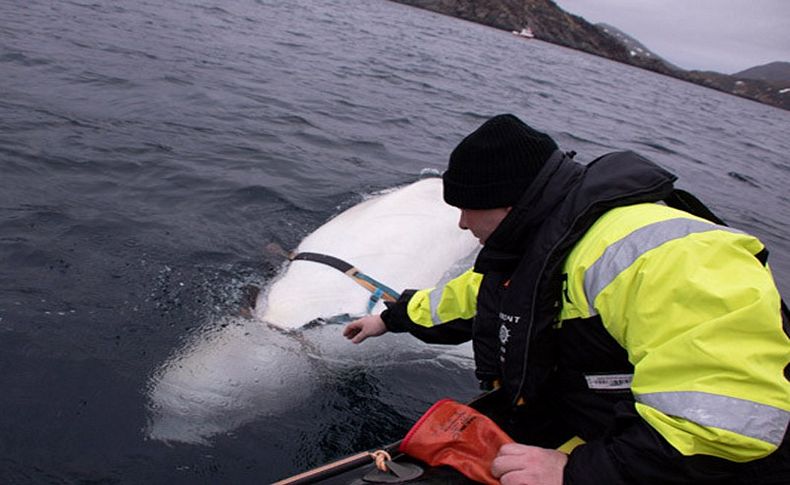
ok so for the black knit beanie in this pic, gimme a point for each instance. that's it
(494, 165)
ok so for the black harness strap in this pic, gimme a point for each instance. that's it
(326, 259)
(377, 289)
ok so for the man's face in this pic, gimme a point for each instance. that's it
(482, 222)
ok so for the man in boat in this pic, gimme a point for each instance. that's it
(656, 335)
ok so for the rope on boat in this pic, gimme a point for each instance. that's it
(316, 475)
(381, 458)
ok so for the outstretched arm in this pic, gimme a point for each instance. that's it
(367, 326)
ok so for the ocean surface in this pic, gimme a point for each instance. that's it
(150, 150)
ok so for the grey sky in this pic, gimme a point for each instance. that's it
(717, 35)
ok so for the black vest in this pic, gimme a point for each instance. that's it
(522, 260)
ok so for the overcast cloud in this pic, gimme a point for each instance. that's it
(717, 35)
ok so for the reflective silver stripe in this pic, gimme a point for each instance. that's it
(746, 418)
(435, 295)
(609, 382)
(622, 254)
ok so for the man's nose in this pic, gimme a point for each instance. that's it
(462, 221)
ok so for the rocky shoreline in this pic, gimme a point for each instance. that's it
(552, 24)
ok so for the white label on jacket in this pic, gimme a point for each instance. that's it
(609, 382)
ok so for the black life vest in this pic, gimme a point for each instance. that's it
(527, 252)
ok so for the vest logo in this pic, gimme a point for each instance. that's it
(504, 335)
(509, 318)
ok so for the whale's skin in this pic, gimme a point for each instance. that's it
(239, 370)
(406, 238)
(224, 377)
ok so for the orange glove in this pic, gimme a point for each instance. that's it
(454, 434)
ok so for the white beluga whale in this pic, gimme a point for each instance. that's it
(244, 369)
(407, 238)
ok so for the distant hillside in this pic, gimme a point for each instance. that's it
(547, 21)
(635, 48)
(552, 24)
(775, 72)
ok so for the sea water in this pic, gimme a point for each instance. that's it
(150, 150)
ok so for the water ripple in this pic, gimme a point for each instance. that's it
(148, 149)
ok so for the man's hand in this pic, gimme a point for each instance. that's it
(517, 464)
(368, 326)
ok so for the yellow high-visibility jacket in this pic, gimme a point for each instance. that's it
(697, 314)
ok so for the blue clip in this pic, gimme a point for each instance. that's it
(374, 298)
